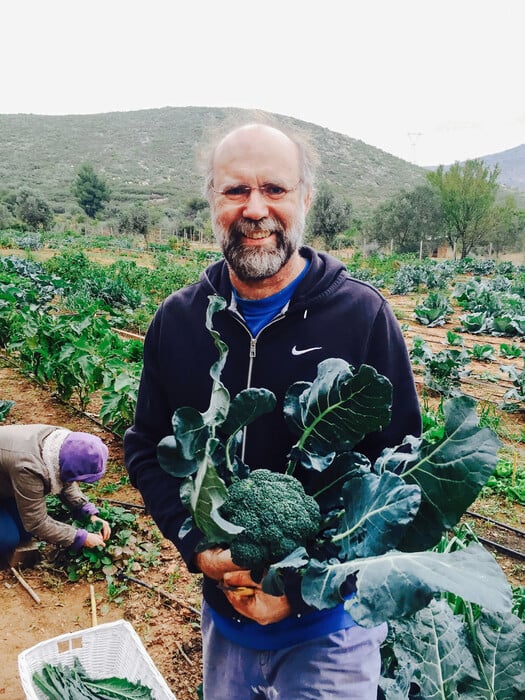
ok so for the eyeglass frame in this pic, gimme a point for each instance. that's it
(245, 196)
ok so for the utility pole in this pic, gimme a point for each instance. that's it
(413, 137)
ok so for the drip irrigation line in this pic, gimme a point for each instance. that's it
(504, 526)
(501, 548)
(137, 506)
(164, 594)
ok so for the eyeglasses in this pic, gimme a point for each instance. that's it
(241, 193)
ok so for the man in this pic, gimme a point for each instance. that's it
(37, 460)
(289, 307)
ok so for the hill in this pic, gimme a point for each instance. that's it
(512, 166)
(150, 155)
(512, 171)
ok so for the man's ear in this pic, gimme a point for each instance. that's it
(307, 200)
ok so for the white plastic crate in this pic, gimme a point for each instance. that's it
(111, 649)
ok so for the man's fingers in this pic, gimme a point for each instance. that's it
(239, 578)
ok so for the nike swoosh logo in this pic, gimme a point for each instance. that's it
(295, 351)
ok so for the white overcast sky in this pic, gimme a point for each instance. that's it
(431, 81)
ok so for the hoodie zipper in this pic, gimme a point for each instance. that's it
(252, 356)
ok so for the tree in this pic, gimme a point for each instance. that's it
(507, 225)
(33, 210)
(407, 219)
(90, 190)
(468, 193)
(135, 220)
(193, 219)
(329, 216)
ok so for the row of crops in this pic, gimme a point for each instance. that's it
(59, 320)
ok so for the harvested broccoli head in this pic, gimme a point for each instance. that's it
(277, 516)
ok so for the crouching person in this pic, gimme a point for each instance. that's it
(37, 460)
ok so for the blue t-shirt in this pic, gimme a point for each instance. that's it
(258, 312)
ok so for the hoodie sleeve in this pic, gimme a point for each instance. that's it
(387, 352)
(160, 491)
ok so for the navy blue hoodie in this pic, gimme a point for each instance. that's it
(330, 315)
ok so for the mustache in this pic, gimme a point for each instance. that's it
(246, 227)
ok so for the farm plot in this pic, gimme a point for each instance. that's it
(168, 623)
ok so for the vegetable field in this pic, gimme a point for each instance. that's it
(70, 354)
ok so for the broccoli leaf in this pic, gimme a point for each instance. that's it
(432, 647)
(204, 495)
(377, 511)
(396, 584)
(335, 411)
(245, 407)
(450, 472)
(220, 397)
(181, 455)
(499, 648)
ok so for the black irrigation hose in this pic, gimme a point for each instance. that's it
(501, 548)
(160, 591)
(504, 526)
(137, 506)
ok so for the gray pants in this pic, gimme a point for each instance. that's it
(343, 665)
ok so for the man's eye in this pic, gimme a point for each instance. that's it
(237, 191)
(273, 190)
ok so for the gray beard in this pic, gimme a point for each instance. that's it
(252, 263)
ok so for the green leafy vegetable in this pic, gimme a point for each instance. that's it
(72, 683)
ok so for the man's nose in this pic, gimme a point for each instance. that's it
(256, 207)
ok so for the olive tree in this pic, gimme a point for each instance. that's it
(408, 220)
(468, 193)
(329, 216)
(34, 211)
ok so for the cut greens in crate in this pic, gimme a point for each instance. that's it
(377, 521)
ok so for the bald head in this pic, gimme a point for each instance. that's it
(259, 142)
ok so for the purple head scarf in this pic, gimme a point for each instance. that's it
(82, 457)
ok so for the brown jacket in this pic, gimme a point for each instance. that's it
(25, 477)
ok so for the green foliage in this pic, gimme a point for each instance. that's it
(434, 311)
(5, 406)
(73, 683)
(508, 479)
(514, 398)
(329, 216)
(409, 220)
(468, 194)
(33, 210)
(135, 220)
(442, 371)
(126, 548)
(90, 190)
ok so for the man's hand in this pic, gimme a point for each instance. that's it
(250, 600)
(214, 563)
(105, 530)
